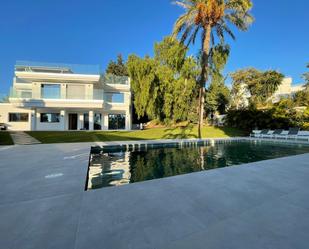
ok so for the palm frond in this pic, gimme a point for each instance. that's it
(228, 31)
(193, 36)
(184, 4)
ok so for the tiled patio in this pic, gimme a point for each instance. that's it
(43, 205)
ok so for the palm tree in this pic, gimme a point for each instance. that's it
(211, 19)
(306, 77)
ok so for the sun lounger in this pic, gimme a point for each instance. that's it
(263, 132)
(276, 133)
(254, 133)
(303, 136)
(292, 134)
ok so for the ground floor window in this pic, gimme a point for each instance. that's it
(116, 121)
(50, 117)
(18, 117)
(97, 121)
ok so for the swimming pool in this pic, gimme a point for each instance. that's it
(125, 164)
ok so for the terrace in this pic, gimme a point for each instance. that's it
(213, 209)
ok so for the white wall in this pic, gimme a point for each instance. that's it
(5, 109)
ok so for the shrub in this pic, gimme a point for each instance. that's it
(251, 119)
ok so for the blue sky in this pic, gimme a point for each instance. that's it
(95, 31)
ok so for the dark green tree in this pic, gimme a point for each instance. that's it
(117, 68)
(218, 95)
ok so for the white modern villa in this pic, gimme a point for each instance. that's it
(50, 97)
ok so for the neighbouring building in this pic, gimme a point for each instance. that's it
(285, 90)
(50, 97)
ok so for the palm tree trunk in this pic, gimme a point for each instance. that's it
(201, 111)
(204, 77)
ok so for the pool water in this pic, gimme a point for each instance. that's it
(114, 166)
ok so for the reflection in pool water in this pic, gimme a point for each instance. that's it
(114, 166)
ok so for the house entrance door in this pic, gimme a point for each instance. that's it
(73, 121)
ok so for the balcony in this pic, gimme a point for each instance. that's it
(97, 99)
(110, 79)
(96, 95)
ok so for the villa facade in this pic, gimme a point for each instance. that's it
(46, 97)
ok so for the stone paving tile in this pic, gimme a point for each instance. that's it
(275, 224)
(258, 205)
(138, 216)
(42, 223)
(37, 171)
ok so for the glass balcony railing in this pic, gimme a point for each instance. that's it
(43, 67)
(61, 68)
(23, 94)
(97, 94)
(4, 98)
(113, 79)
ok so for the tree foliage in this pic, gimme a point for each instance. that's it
(210, 19)
(282, 115)
(164, 87)
(258, 85)
(251, 119)
(218, 95)
(217, 98)
(117, 68)
(301, 98)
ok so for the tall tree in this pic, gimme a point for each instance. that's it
(164, 87)
(211, 18)
(218, 95)
(117, 68)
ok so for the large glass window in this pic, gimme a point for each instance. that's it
(50, 117)
(114, 97)
(116, 121)
(50, 91)
(97, 121)
(18, 117)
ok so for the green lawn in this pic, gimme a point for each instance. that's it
(149, 134)
(5, 138)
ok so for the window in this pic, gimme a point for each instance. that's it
(116, 121)
(50, 91)
(50, 117)
(18, 117)
(114, 97)
(97, 121)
